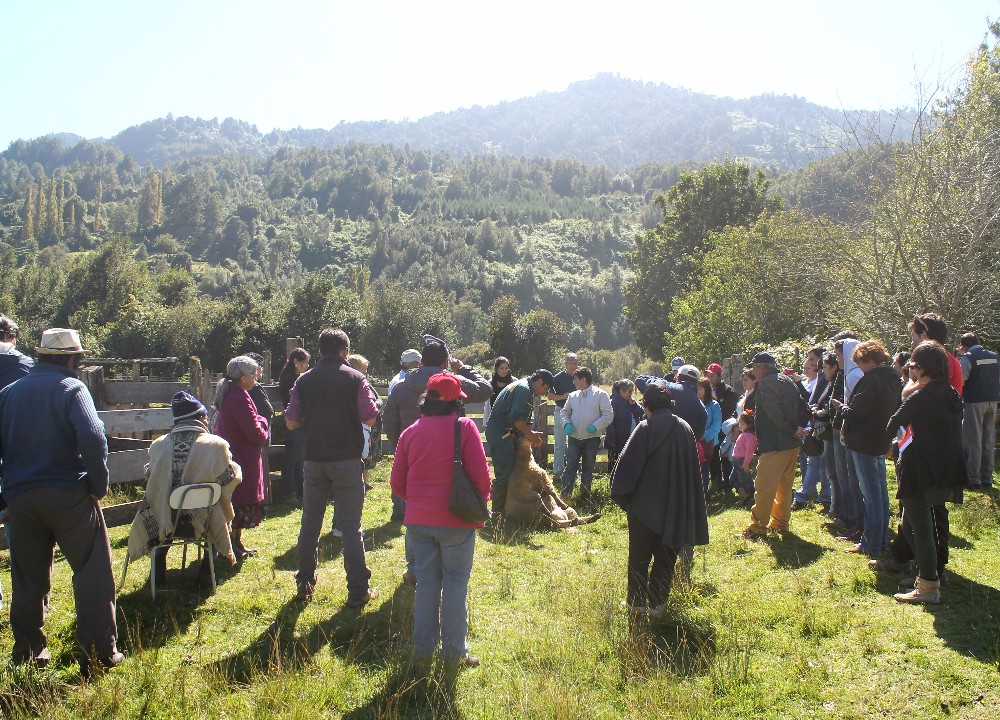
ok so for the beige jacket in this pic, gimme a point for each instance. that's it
(208, 460)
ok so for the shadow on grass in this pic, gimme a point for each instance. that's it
(330, 548)
(793, 551)
(412, 690)
(370, 639)
(674, 642)
(968, 618)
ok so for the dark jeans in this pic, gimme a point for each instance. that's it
(919, 528)
(576, 450)
(720, 468)
(291, 464)
(648, 588)
(342, 481)
(901, 550)
(39, 520)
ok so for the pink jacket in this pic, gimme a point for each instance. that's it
(745, 447)
(422, 469)
(246, 432)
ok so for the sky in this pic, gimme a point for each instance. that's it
(95, 68)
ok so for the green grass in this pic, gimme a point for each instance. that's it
(787, 628)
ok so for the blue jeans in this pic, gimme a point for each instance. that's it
(833, 477)
(291, 464)
(443, 557)
(740, 478)
(815, 474)
(853, 506)
(575, 450)
(558, 442)
(871, 477)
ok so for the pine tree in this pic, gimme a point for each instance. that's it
(97, 206)
(60, 209)
(40, 218)
(28, 229)
(53, 210)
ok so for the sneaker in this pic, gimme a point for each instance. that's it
(887, 564)
(798, 505)
(372, 594)
(88, 667)
(305, 591)
(469, 661)
(852, 537)
(856, 549)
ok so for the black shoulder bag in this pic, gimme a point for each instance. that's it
(466, 503)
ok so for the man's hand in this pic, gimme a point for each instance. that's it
(536, 438)
(568, 427)
(800, 433)
(455, 364)
(592, 428)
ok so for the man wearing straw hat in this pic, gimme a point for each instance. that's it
(53, 471)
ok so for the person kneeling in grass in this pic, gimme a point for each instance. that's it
(657, 482)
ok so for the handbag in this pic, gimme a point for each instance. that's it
(466, 502)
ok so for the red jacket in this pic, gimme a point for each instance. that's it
(246, 433)
(422, 469)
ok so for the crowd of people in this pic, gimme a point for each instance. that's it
(689, 434)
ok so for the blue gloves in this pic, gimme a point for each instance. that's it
(568, 427)
(592, 429)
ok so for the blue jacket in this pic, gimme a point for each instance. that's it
(627, 416)
(714, 424)
(686, 403)
(51, 435)
(13, 364)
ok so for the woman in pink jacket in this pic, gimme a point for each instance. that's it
(246, 431)
(442, 544)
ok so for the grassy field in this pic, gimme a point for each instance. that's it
(787, 628)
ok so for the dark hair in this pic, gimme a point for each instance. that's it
(818, 351)
(831, 359)
(844, 335)
(931, 357)
(901, 358)
(297, 355)
(624, 384)
(970, 340)
(256, 357)
(930, 324)
(500, 361)
(8, 327)
(706, 385)
(748, 373)
(585, 374)
(657, 397)
(434, 355)
(333, 341)
(746, 417)
(541, 374)
(433, 406)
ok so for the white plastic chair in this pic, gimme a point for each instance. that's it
(196, 496)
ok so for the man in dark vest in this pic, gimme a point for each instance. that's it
(981, 391)
(330, 402)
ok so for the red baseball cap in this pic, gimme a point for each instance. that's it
(447, 386)
(714, 369)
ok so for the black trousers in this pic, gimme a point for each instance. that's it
(900, 549)
(648, 587)
(719, 469)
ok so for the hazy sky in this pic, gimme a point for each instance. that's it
(94, 68)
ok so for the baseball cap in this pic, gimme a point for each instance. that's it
(446, 386)
(714, 369)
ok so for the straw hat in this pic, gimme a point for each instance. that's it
(60, 341)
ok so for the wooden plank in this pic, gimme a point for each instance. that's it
(127, 466)
(123, 422)
(121, 514)
(117, 444)
(128, 392)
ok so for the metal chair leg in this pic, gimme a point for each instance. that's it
(211, 562)
(152, 574)
(124, 573)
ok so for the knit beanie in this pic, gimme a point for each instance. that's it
(185, 406)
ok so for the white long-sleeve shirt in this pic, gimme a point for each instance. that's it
(591, 406)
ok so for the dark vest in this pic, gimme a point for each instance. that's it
(328, 398)
(983, 384)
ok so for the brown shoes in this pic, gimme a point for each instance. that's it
(360, 602)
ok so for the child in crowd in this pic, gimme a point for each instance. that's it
(743, 457)
(628, 414)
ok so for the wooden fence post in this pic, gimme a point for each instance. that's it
(93, 378)
(267, 367)
(196, 378)
(291, 344)
(136, 371)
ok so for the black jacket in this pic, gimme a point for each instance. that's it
(874, 400)
(658, 480)
(934, 458)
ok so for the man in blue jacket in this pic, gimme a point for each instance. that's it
(54, 471)
(13, 364)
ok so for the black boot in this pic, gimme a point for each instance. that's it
(498, 496)
(160, 568)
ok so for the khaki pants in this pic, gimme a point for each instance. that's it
(773, 496)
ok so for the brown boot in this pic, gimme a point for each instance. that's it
(925, 592)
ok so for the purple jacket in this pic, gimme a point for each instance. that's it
(246, 432)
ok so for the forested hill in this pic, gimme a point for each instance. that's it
(606, 120)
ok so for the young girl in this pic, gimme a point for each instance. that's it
(743, 455)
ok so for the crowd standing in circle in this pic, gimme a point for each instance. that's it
(838, 420)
